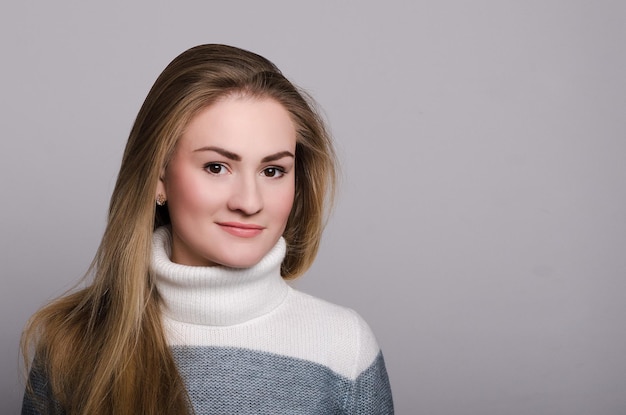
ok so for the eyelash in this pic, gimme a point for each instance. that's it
(278, 171)
(208, 167)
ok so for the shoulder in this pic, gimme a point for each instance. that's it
(331, 334)
(333, 318)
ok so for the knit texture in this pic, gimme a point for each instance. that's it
(245, 342)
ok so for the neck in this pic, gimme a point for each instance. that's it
(216, 296)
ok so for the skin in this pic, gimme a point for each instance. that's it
(230, 184)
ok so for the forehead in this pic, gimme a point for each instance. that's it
(241, 124)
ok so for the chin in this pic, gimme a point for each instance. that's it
(239, 262)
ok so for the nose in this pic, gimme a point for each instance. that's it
(246, 196)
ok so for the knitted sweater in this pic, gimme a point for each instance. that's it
(245, 342)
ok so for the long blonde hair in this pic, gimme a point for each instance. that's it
(103, 348)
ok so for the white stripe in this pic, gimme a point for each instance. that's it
(303, 327)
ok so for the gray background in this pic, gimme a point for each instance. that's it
(481, 227)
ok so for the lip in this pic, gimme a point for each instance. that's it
(242, 230)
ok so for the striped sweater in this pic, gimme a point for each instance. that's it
(245, 342)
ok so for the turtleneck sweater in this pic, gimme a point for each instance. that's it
(217, 296)
(246, 342)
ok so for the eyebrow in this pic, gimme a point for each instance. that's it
(219, 150)
(237, 157)
(277, 156)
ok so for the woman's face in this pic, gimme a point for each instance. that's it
(230, 183)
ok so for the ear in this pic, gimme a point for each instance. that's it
(160, 188)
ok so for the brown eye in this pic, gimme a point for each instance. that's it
(273, 172)
(215, 168)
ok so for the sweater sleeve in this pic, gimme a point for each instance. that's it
(38, 397)
(370, 393)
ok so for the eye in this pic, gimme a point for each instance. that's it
(215, 168)
(273, 172)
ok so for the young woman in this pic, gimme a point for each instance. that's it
(221, 197)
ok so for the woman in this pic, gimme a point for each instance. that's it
(220, 198)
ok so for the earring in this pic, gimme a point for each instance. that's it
(160, 200)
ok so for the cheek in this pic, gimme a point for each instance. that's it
(282, 203)
(185, 193)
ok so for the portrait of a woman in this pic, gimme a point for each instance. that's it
(222, 195)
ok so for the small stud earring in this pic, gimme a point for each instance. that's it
(160, 200)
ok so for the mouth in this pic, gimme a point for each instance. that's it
(242, 230)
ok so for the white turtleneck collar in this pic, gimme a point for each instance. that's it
(216, 296)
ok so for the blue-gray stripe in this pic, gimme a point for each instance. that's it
(240, 381)
(224, 380)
